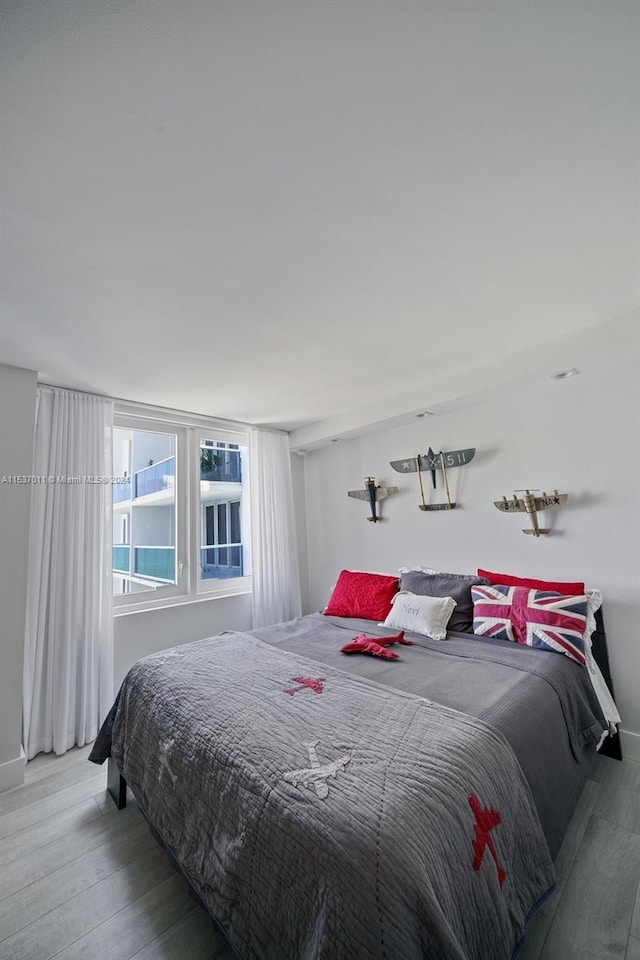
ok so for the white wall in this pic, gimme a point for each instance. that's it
(139, 634)
(579, 435)
(17, 417)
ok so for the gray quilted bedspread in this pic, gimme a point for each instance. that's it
(542, 702)
(321, 816)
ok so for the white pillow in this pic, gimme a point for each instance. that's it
(606, 701)
(594, 602)
(426, 615)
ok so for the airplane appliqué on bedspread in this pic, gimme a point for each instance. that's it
(313, 683)
(486, 820)
(317, 774)
(164, 746)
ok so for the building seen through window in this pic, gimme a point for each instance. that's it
(145, 518)
(220, 510)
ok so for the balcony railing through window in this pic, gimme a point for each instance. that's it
(221, 466)
(121, 558)
(159, 563)
(122, 490)
(155, 477)
(221, 561)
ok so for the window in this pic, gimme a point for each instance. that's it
(180, 512)
(144, 510)
(221, 550)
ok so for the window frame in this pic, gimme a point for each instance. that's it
(190, 587)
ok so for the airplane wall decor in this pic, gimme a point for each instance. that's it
(373, 494)
(434, 462)
(530, 504)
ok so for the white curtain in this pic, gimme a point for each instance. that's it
(274, 555)
(68, 662)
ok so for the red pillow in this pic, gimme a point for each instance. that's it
(366, 595)
(568, 589)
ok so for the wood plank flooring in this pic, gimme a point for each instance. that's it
(81, 881)
(595, 912)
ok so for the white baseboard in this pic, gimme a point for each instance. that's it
(630, 743)
(12, 772)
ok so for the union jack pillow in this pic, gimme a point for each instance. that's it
(538, 618)
(492, 611)
(552, 621)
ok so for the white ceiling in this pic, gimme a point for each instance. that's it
(276, 211)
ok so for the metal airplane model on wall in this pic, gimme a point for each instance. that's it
(434, 462)
(373, 494)
(530, 504)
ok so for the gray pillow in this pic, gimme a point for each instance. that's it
(456, 585)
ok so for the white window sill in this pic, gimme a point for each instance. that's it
(127, 610)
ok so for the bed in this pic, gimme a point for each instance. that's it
(328, 806)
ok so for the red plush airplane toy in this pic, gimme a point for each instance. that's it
(376, 646)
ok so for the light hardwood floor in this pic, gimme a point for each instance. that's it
(81, 881)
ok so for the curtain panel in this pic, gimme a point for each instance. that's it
(274, 555)
(68, 664)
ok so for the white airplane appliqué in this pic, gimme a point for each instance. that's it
(317, 774)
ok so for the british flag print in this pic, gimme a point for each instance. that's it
(492, 611)
(553, 621)
(538, 618)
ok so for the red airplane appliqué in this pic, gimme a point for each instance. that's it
(313, 683)
(486, 820)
